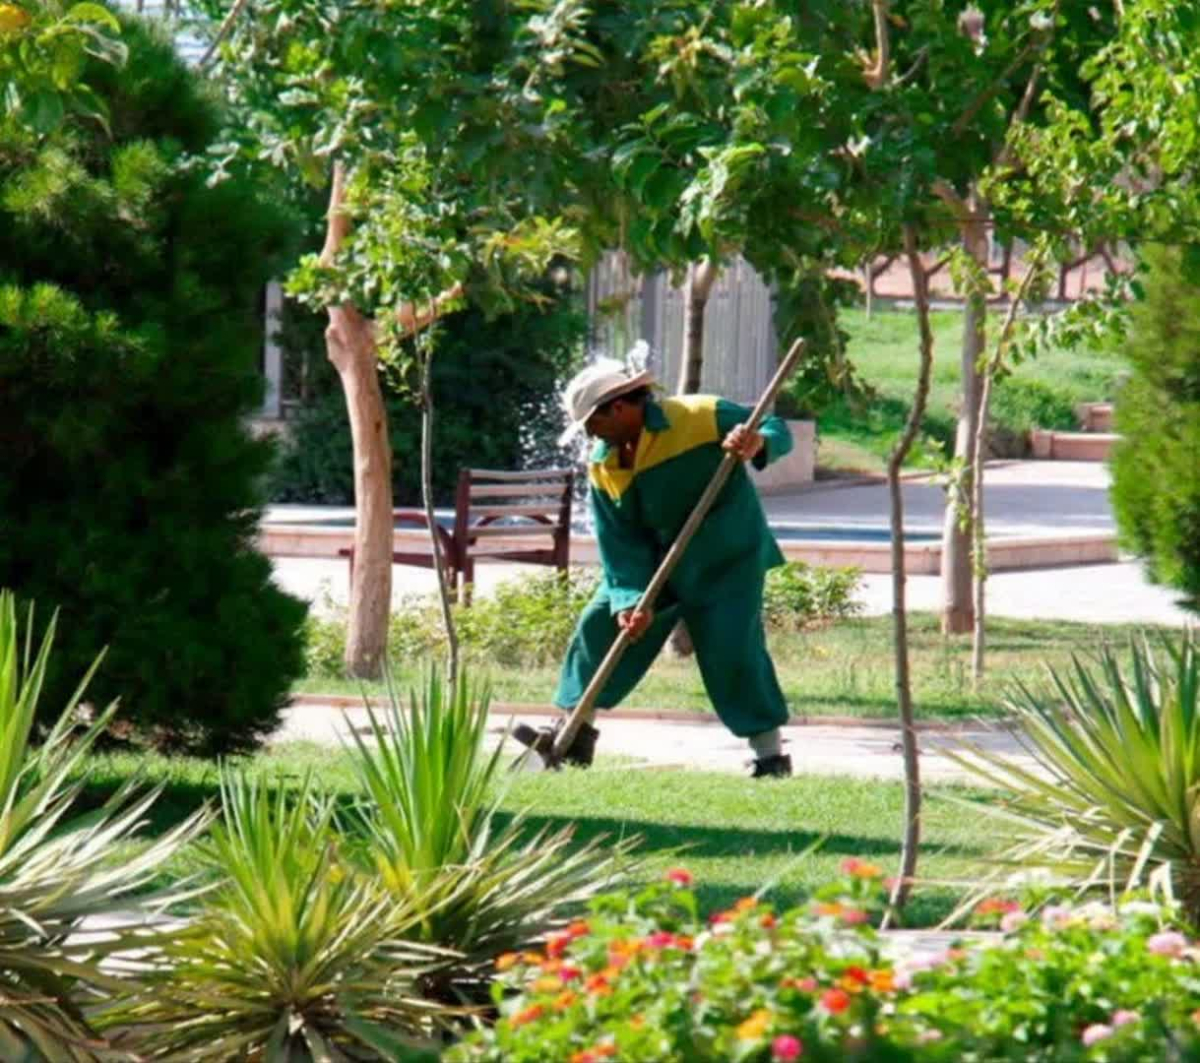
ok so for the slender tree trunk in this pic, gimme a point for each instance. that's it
(701, 277)
(427, 497)
(957, 609)
(979, 566)
(904, 702)
(350, 342)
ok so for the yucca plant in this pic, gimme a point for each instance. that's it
(58, 867)
(1115, 797)
(292, 956)
(432, 830)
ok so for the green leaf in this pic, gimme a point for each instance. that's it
(90, 12)
(43, 110)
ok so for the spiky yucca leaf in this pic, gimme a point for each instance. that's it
(1116, 791)
(57, 868)
(431, 832)
(292, 956)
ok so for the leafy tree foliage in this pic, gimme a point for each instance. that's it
(129, 336)
(1156, 490)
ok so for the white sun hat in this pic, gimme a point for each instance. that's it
(601, 382)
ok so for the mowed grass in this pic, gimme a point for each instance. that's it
(736, 835)
(844, 669)
(884, 348)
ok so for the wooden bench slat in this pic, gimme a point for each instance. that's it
(519, 477)
(546, 509)
(509, 491)
(498, 530)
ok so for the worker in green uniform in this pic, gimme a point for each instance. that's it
(651, 462)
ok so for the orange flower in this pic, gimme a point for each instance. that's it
(996, 906)
(829, 908)
(564, 1000)
(805, 985)
(550, 966)
(532, 957)
(682, 941)
(625, 947)
(883, 981)
(557, 944)
(835, 1001)
(745, 904)
(598, 985)
(550, 983)
(860, 868)
(605, 1050)
(854, 980)
(528, 1015)
(755, 1026)
(507, 961)
(767, 921)
(578, 929)
(637, 1022)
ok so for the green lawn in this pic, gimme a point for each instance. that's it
(843, 669)
(735, 834)
(1041, 393)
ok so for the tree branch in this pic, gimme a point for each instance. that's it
(337, 222)
(222, 31)
(411, 320)
(876, 74)
(1020, 114)
(976, 105)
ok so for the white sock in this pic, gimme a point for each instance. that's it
(766, 744)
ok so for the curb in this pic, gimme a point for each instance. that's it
(342, 702)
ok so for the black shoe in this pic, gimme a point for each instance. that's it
(778, 767)
(581, 752)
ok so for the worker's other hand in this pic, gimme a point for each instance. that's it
(742, 442)
(635, 621)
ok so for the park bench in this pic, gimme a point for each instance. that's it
(540, 503)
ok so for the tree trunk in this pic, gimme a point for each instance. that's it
(350, 342)
(439, 558)
(701, 277)
(904, 703)
(957, 608)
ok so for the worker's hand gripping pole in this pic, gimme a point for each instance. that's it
(582, 712)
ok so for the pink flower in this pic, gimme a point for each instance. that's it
(1167, 943)
(660, 939)
(1098, 1031)
(1013, 921)
(786, 1048)
(1057, 917)
(1123, 1017)
(680, 876)
(854, 917)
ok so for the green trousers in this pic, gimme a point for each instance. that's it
(731, 650)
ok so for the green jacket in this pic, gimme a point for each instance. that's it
(638, 512)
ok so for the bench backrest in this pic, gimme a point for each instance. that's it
(541, 498)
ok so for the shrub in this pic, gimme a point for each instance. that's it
(528, 621)
(430, 830)
(490, 382)
(1117, 793)
(291, 956)
(57, 864)
(644, 978)
(129, 344)
(1156, 492)
(1022, 403)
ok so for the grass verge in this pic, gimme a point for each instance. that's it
(1041, 393)
(843, 669)
(736, 835)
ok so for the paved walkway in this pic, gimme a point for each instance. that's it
(1022, 498)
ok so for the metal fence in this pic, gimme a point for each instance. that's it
(740, 347)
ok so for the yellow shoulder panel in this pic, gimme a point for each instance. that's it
(692, 423)
(609, 477)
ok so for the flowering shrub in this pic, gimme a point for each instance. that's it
(645, 979)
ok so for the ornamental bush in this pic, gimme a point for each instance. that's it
(1156, 492)
(129, 339)
(528, 620)
(646, 978)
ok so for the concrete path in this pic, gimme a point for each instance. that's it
(1022, 498)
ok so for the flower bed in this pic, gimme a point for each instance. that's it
(644, 978)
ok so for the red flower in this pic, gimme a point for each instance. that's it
(996, 906)
(660, 939)
(557, 944)
(569, 973)
(680, 876)
(529, 1014)
(835, 1001)
(857, 974)
(578, 929)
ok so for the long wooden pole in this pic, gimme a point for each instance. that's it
(583, 710)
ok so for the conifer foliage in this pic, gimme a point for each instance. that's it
(129, 332)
